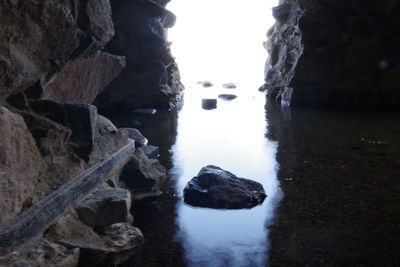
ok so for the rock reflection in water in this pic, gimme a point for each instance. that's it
(228, 138)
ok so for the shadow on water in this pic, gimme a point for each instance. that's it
(339, 172)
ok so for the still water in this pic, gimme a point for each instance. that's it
(339, 171)
(221, 42)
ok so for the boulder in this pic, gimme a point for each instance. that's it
(20, 163)
(82, 79)
(107, 139)
(99, 20)
(143, 176)
(229, 85)
(136, 135)
(216, 188)
(227, 96)
(209, 103)
(80, 118)
(59, 163)
(36, 38)
(104, 206)
(116, 244)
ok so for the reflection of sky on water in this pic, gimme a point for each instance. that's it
(223, 48)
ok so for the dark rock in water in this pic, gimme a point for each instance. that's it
(229, 85)
(216, 188)
(209, 103)
(152, 152)
(227, 96)
(105, 206)
(207, 84)
(136, 135)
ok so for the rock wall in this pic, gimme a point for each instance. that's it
(151, 77)
(56, 58)
(335, 53)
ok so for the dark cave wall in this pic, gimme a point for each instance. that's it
(335, 54)
(56, 58)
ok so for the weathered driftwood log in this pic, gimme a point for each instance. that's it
(36, 220)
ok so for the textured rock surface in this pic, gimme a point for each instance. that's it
(79, 118)
(43, 253)
(107, 139)
(143, 176)
(104, 206)
(54, 61)
(136, 135)
(216, 188)
(86, 83)
(20, 162)
(36, 38)
(327, 53)
(117, 243)
(151, 77)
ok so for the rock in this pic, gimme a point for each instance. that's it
(20, 163)
(207, 84)
(216, 188)
(281, 12)
(104, 206)
(229, 85)
(136, 135)
(35, 39)
(59, 163)
(140, 36)
(117, 243)
(42, 253)
(80, 118)
(82, 79)
(209, 103)
(143, 176)
(152, 152)
(98, 13)
(107, 139)
(227, 96)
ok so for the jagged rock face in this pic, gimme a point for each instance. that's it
(349, 54)
(143, 176)
(43, 253)
(20, 163)
(105, 206)
(36, 38)
(87, 82)
(151, 78)
(116, 243)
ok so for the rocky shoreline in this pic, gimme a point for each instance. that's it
(62, 64)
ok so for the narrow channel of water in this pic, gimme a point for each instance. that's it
(221, 42)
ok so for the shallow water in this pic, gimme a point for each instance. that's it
(331, 177)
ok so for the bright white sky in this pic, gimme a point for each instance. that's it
(221, 40)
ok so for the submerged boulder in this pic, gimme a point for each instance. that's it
(216, 188)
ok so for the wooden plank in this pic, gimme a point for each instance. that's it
(33, 223)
